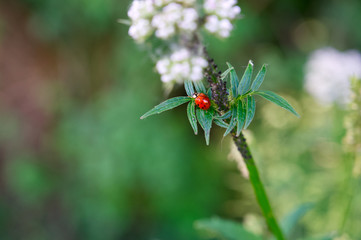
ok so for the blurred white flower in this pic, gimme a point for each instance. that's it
(172, 17)
(160, 3)
(189, 20)
(221, 28)
(164, 17)
(141, 9)
(168, 18)
(222, 8)
(328, 74)
(140, 30)
(220, 14)
(180, 66)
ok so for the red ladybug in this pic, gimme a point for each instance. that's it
(202, 101)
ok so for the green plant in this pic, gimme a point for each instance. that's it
(236, 115)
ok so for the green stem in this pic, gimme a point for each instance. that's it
(349, 190)
(258, 187)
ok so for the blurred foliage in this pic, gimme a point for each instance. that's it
(98, 172)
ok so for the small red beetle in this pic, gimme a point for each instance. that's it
(202, 101)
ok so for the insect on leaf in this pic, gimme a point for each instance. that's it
(191, 113)
(278, 100)
(250, 110)
(166, 105)
(259, 78)
(246, 80)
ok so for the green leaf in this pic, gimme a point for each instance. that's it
(289, 222)
(191, 113)
(246, 80)
(166, 105)
(259, 78)
(261, 196)
(234, 80)
(329, 236)
(225, 116)
(241, 115)
(205, 120)
(220, 123)
(217, 228)
(225, 73)
(276, 99)
(199, 87)
(233, 121)
(209, 93)
(188, 86)
(250, 110)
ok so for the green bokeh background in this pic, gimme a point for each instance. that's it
(77, 162)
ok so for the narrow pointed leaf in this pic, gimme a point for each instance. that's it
(226, 115)
(220, 123)
(166, 105)
(234, 80)
(246, 80)
(218, 228)
(205, 120)
(233, 121)
(199, 87)
(188, 86)
(225, 73)
(259, 78)
(276, 99)
(241, 116)
(191, 113)
(289, 222)
(250, 110)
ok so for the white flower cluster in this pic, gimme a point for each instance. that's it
(328, 74)
(181, 65)
(141, 13)
(220, 14)
(172, 17)
(164, 17)
(167, 18)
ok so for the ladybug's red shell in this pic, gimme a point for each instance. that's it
(202, 101)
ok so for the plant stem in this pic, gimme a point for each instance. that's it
(220, 96)
(258, 187)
